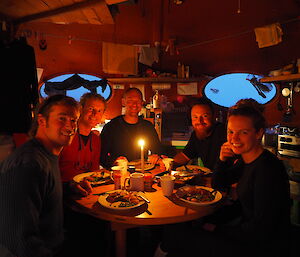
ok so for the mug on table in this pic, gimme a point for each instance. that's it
(136, 182)
(167, 184)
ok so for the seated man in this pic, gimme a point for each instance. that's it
(31, 216)
(263, 207)
(121, 135)
(207, 137)
(83, 154)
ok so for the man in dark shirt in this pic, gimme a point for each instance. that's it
(120, 136)
(31, 216)
(207, 137)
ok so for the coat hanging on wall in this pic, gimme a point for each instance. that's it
(19, 86)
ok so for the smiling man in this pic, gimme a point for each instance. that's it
(120, 136)
(31, 216)
(84, 153)
(207, 137)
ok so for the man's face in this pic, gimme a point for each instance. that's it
(202, 120)
(92, 112)
(59, 129)
(133, 103)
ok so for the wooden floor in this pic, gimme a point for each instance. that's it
(89, 237)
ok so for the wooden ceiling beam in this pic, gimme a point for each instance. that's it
(109, 2)
(60, 10)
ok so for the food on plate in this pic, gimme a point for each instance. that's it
(125, 198)
(96, 176)
(181, 179)
(196, 194)
(194, 169)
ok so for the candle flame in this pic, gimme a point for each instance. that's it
(141, 142)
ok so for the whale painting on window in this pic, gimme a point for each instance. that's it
(226, 90)
(75, 85)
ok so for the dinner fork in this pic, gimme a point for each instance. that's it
(144, 198)
(186, 168)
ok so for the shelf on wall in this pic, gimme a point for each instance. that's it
(283, 78)
(153, 80)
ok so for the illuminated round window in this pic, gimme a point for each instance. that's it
(75, 85)
(227, 89)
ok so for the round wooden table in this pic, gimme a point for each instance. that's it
(161, 210)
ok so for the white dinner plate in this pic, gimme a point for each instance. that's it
(116, 205)
(195, 169)
(181, 192)
(103, 177)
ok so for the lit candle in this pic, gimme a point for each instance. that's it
(142, 143)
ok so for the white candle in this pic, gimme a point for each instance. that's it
(142, 143)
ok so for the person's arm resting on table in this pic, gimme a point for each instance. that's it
(180, 159)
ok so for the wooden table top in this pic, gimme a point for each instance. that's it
(160, 210)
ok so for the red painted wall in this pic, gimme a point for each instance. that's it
(210, 40)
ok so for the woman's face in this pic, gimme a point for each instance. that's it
(242, 136)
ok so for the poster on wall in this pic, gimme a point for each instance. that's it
(187, 88)
(118, 86)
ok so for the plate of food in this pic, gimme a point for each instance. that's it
(198, 195)
(137, 165)
(121, 199)
(194, 169)
(182, 177)
(95, 177)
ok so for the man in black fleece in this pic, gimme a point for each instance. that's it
(31, 216)
(119, 137)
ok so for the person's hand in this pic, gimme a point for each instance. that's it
(226, 152)
(157, 160)
(123, 158)
(153, 158)
(83, 188)
(162, 166)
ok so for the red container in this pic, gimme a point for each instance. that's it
(117, 179)
(148, 181)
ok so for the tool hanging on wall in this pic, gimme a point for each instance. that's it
(42, 43)
(172, 46)
(239, 7)
(290, 111)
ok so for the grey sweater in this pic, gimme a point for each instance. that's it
(31, 214)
